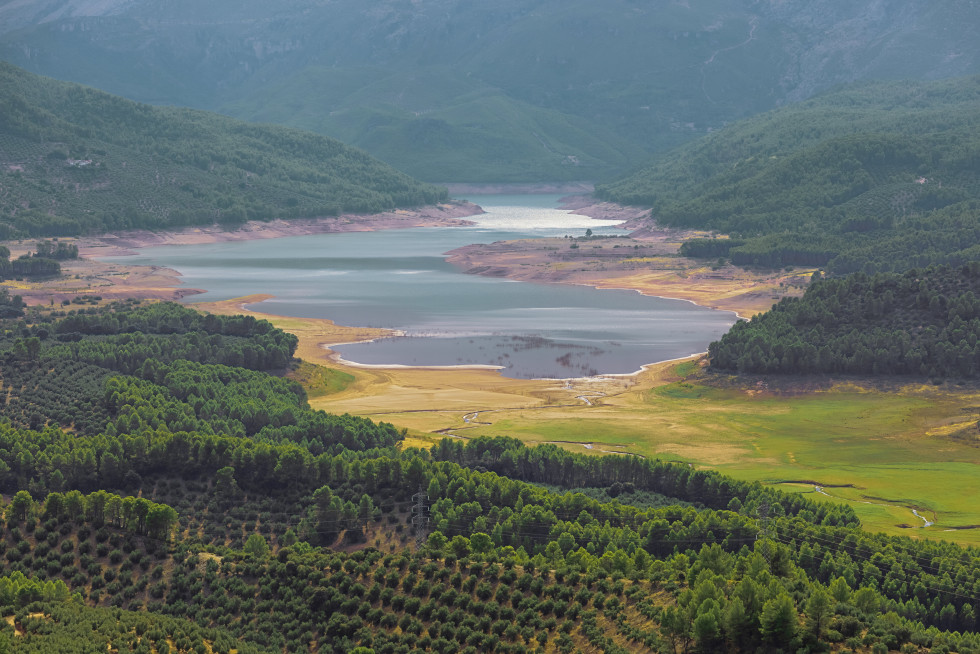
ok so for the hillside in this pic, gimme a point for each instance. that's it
(882, 176)
(76, 160)
(922, 322)
(441, 125)
(604, 83)
(201, 504)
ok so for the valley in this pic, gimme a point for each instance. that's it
(567, 327)
(676, 412)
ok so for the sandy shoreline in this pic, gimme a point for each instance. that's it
(441, 215)
(112, 281)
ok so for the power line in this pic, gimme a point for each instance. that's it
(420, 516)
(939, 591)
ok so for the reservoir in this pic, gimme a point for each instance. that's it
(399, 279)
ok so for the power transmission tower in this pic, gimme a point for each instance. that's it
(767, 530)
(420, 517)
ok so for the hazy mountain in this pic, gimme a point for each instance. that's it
(459, 90)
(74, 160)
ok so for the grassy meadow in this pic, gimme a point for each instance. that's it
(884, 451)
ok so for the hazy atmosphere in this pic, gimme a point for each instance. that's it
(397, 326)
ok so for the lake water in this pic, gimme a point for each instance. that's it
(398, 279)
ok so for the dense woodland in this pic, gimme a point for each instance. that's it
(173, 493)
(76, 160)
(878, 177)
(920, 322)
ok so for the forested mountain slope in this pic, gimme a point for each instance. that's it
(202, 506)
(573, 88)
(439, 124)
(76, 160)
(882, 176)
(922, 322)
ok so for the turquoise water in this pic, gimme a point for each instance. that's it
(398, 279)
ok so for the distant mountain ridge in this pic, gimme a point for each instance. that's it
(76, 160)
(578, 89)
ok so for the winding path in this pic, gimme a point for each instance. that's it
(753, 24)
(926, 521)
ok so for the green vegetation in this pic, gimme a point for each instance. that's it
(194, 488)
(38, 264)
(443, 126)
(922, 322)
(45, 617)
(879, 448)
(166, 487)
(523, 90)
(883, 177)
(75, 160)
(319, 381)
(10, 307)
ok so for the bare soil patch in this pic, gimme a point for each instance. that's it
(648, 264)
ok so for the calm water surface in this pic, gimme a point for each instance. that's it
(399, 279)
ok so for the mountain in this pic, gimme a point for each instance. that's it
(880, 176)
(75, 160)
(441, 125)
(458, 90)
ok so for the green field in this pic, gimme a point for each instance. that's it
(885, 452)
(319, 381)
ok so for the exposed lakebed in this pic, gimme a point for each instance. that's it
(398, 279)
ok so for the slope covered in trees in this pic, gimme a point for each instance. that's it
(166, 367)
(921, 322)
(874, 177)
(556, 568)
(526, 89)
(172, 517)
(75, 160)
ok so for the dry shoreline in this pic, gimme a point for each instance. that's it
(446, 214)
(113, 281)
(645, 261)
